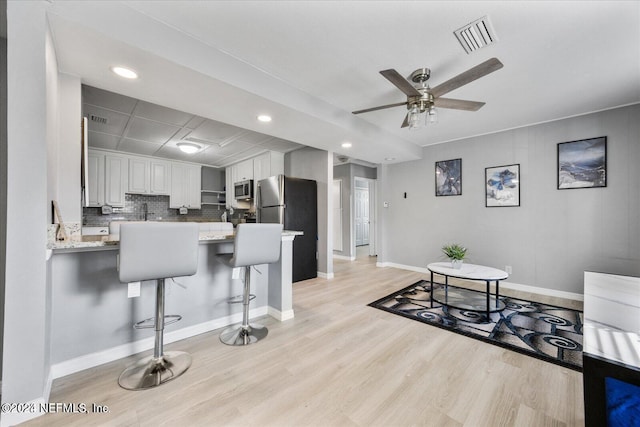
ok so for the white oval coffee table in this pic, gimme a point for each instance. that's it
(467, 299)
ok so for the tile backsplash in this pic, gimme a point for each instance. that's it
(157, 209)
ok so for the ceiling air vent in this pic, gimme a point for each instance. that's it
(98, 119)
(476, 35)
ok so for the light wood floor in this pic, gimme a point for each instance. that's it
(339, 363)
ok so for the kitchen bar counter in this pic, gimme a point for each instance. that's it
(110, 241)
(92, 316)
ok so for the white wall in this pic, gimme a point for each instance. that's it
(554, 235)
(311, 163)
(3, 179)
(26, 338)
(68, 154)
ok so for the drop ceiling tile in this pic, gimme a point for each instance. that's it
(281, 145)
(253, 151)
(254, 137)
(214, 131)
(238, 157)
(139, 147)
(232, 148)
(175, 154)
(109, 100)
(150, 131)
(195, 122)
(105, 121)
(210, 158)
(102, 140)
(162, 114)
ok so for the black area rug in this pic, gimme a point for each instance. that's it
(548, 332)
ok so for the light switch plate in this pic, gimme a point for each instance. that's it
(133, 290)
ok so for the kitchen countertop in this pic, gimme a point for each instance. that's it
(111, 241)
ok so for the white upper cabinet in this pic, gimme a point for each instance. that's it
(244, 170)
(149, 176)
(160, 177)
(268, 164)
(96, 178)
(263, 166)
(138, 175)
(186, 186)
(116, 179)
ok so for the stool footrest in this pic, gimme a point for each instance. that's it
(151, 322)
(238, 299)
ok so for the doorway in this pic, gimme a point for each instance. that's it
(364, 216)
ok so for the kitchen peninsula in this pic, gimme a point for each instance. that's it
(92, 317)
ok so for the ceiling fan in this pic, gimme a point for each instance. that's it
(422, 100)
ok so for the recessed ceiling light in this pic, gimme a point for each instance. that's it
(188, 147)
(346, 145)
(264, 118)
(389, 159)
(125, 72)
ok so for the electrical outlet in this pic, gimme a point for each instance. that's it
(508, 269)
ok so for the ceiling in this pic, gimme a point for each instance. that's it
(118, 122)
(308, 64)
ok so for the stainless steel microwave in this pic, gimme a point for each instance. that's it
(243, 190)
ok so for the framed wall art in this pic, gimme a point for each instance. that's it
(449, 177)
(502, 184)
(582, 164)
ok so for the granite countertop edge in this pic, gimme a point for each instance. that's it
(111, 241)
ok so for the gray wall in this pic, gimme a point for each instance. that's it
(347, 172)
(311, 163)
(554, 235)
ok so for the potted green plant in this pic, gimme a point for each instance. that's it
(455, 253)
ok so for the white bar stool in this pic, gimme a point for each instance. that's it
(155, 251)
(254, 244)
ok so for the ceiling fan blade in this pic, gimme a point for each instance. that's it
(458, 104)
(400, 82)
(481, 70)
(382, 107)
(405, 123)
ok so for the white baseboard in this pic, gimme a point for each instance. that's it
(507, 285)
(344, 257)
(542, 291)
(325, 275)
(87, 361)
(280, 315)
(14, 418)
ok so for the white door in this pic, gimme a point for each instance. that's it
(337, 214)
(362, 212)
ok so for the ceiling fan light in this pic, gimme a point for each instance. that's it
(414, 117)
(432, 116)
(188, 147)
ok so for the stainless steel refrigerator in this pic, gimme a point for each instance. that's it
(293, 203)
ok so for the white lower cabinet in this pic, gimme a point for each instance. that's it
(186, 186)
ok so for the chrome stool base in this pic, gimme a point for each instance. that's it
(152, 371)
(243, 335)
